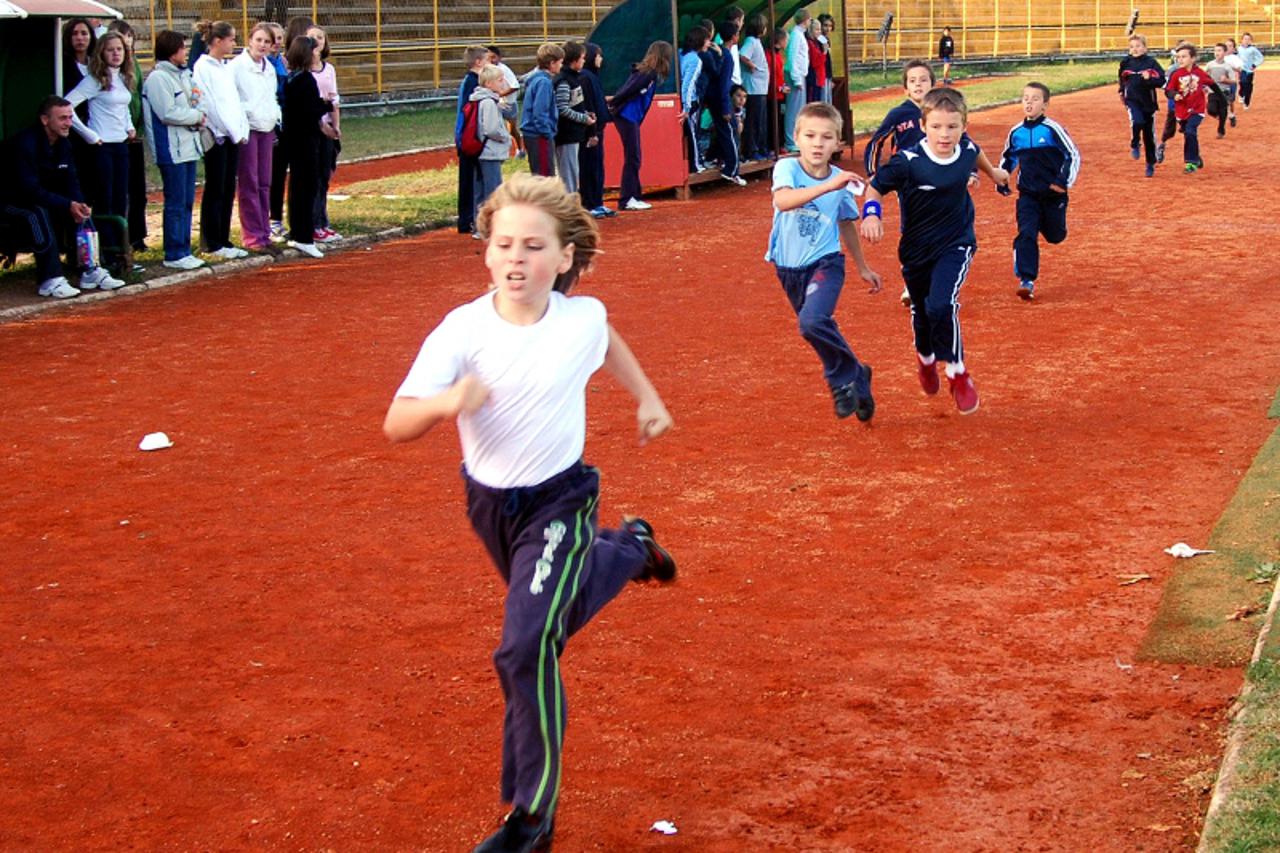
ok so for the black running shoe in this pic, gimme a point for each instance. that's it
(846, 399)
(866, 406)
(521, 832)
(659, 565)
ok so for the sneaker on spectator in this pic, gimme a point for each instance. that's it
(309, 249)
(190, 262)
(331, 236)
(278, 232)
(57, 288)
(98, 277)
(230, 253)
(636, 204)
(735, 179)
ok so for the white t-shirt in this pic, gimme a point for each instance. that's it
(737, 65)
(534, 423)
(513, 82)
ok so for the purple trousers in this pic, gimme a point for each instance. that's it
(560, 570)
(254, 189)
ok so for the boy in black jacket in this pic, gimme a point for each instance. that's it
(1141, 79)
(1048, 163)
(575, 120)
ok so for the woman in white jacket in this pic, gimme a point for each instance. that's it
(215, 88)
(256, 81)
(173, 133)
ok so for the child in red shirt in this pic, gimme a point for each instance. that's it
(1189, 86)
(778, 88)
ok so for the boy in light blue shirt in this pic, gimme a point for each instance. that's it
(814, 207)
(1250, 59)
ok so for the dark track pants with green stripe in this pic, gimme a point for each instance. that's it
(560, 571)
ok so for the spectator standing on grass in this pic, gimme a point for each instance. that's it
(330, 137)
(946, 54)
(302, 112)
(492, 126)
(137, 162)
(173, 123)
(755, 82)
(1250, 59)
(510, 96)
(629, 105)
(540, 118)
(573, 119)
(279, 162)
(591, 152)
(108, 90)
(39, 194)
(778, 90)
(78, 44)
(476, 57)
(720, 105)
(1141, 79)
(214, 83)
(797, 74)
(828, 24)
(1189, 86)
(816, 79)
(255, 78)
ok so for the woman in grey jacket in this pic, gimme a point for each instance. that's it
(492, 127)
(173, 134)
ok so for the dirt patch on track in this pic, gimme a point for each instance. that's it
(908, 636)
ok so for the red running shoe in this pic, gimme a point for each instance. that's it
(928, 376)
(963, 392)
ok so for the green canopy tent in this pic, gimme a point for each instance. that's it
(628, 30)
(31, 54)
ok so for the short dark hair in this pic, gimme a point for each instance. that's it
(1187, 46)
(912, 65)
(47, 105)
(734, 13)
(827, 19)
(494, 49)
(121, 26)
(167, 43)
(728, 30)
(573, 51)
(946, 99)
(736, 88)
(1221, 44)
(695, 38)
(301, 53)
(1044, 90)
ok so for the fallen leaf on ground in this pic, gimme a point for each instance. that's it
(1242, 613)
(1126, 580)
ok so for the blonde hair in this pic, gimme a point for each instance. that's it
(574, 226)
(490, 73)
(946, 99)
(98, 69)
(818, 110)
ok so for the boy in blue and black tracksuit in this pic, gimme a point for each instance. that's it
(541, 117)
(1048, 163)
(1141, 79)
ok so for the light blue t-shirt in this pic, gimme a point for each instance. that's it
(804, 234)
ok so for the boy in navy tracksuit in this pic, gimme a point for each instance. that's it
(901, 125)
(1048, 163)
(938, 242)
(1141, 77)
(721, 108)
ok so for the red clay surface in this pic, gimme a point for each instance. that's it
(908, 636)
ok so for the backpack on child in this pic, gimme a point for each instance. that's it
(470, 142)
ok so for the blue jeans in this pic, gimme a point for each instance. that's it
(179, 182)
(813, 292)
(1191, 138)
(795, 101)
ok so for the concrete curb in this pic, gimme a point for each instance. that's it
(1222, 788)
(25, 312)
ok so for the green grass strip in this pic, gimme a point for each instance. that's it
(1191, 625)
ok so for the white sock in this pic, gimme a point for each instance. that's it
(926, 360)
(954, 369)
